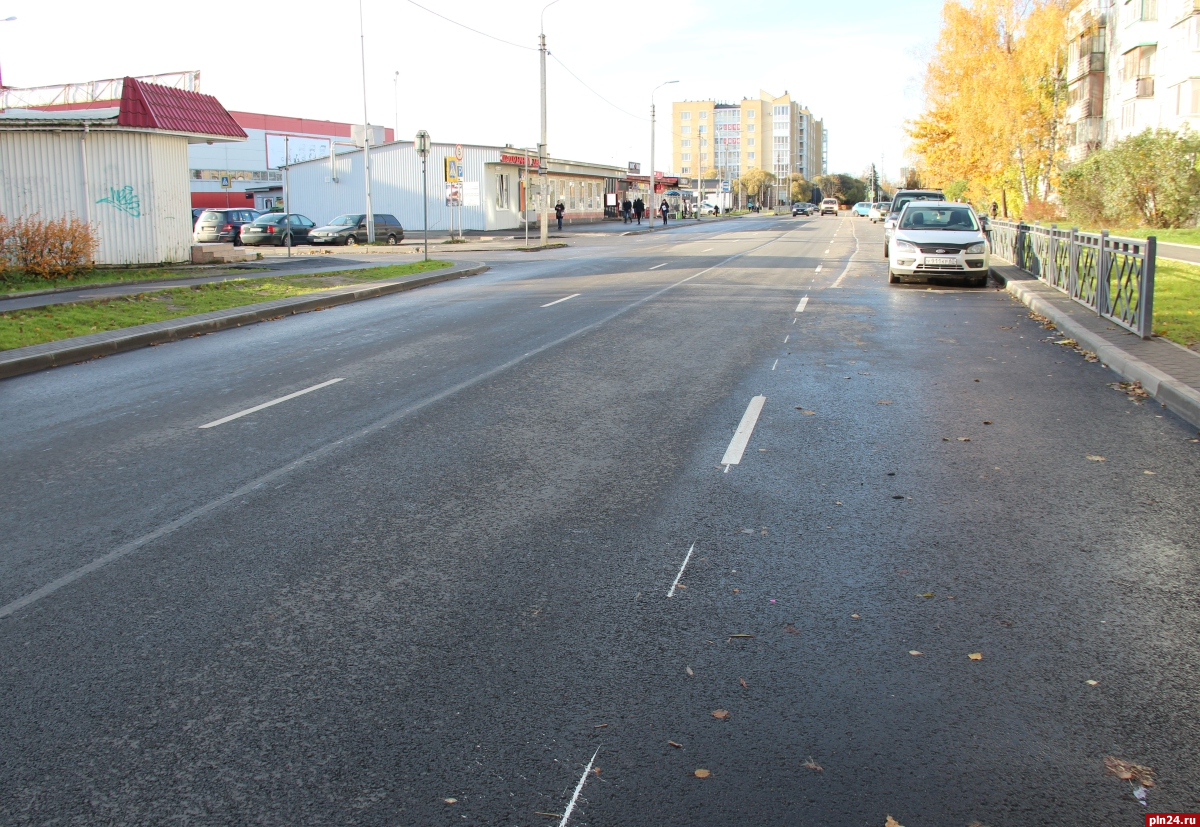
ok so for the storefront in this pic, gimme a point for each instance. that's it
(583, 190)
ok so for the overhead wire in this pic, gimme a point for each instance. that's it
(468, 28)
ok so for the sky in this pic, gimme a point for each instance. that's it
(856, 65)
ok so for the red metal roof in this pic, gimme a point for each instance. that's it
(178, 110)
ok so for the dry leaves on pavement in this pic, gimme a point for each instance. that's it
(790, 629)
(1128, 771)
(690, 673)
(677, 746)
(742, 681)
(702, 773)
(1067, 342)
(914, 653)
(1133, 390)
(810, 764)
(1095, 458)
(720, 714)
(884, 402)
(806, 413)
(976, 656)
(891, 822)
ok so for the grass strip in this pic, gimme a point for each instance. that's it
(1177, 301)
(107, 276)
(21, 328)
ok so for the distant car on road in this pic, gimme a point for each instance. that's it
(801, 208)
(829, 206)
(938, 241)
(879, 211)
(277, 229)
(706, 208)
(862, 209)
(221, 226)
(901, 198)
(351, 229)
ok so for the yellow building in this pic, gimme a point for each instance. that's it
(769, 132)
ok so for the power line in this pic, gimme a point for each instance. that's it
(468, 28)
(593, 91)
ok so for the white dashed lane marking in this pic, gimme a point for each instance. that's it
(563, 299)
(741, 437)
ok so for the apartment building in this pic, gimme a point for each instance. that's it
(1131, 65)
(770, 132)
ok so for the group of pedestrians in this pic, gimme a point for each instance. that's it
(633, 209)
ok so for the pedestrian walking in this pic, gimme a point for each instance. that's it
(559, 209)
(627, 211)
(663, 208)
(639, 207)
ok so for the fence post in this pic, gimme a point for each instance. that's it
(1052, 255)
(1073, 265)
(1146, 289)
(1019, 252)
(1102, 275)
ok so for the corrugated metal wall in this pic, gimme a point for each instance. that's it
(138, 197)
(395, 186)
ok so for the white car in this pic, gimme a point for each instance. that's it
(829, 206)
(879, 211)
(706, 208)
(938, 240)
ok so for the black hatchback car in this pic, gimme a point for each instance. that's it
(221, 226)
(276, 228)
(352, 229)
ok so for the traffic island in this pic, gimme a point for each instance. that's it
(315, 293)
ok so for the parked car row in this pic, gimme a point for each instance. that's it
(279, 229)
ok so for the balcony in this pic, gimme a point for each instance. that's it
(1087, 64)
(1079, 110)
(1186, 9)
(1145, 87)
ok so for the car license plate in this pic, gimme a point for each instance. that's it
(936, 260)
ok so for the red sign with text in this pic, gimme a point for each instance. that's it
(519, 160)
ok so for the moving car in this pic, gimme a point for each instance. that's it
(862, 209)
(802, 208)
(277, 229)
(829, 206)
(879, 211)
(351, 229)
(221, 226)
(901, 198)
(706, 208)
(938, 241)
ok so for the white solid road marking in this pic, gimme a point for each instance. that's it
(741, 437)
(675, 582)
(818, 269)
(556, 301)
(803, 304)
(838, 281)
(656, 266)
(578, 789)
(256, 408)
(775, 365)
(785, 338)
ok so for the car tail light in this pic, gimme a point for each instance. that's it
(227, 227)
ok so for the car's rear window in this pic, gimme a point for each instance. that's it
(212, 215)
(939, 218)
(270, 220)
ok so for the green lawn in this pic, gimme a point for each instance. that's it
(103, 277)
(20, 328)
(1177, 301)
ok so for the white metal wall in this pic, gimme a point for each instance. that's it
(137, 195)
(395, 187)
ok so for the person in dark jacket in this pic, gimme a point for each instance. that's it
(664, 209)
(627, 210)
(559, 209)
(639, 207)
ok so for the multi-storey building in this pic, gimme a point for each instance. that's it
(769, 132)
(1131, 65)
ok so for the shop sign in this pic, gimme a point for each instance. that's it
(453, 194)
(470, 193)
(519, 160)
(635, 168)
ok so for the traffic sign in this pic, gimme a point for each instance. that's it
(225, 182)
(724, 186)
(458, 151)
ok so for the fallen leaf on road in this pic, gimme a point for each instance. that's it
(450, 800)
(1067, 342)
(600, 726)
(1128, 771)
(677, 746)
(1133, 390)
(737, 591)
(702, 773)
(551, 815)
(976, 656)
(691, 674)
(976, 380)
(884, 402)
(742, 681)
(964, 439)
(790, 629)
(945, 439)
(741, 635)
(1095, 458)
(596, 770)
(927, 594)
(681, 586)
(1005, 327)
(1091, 682)
(1151, 473)
(854, 616)
(897, 496)
(914, 652)
(837, 502)
(810, 764)
(806, 413)
(891, 822)
(987, 422)
(720, 714)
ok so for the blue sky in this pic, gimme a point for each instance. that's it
(856, 65)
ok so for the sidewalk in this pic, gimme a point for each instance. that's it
(1168, 372)
(81, 348)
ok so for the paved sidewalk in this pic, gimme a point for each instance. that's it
(81, 348)
(1168, 372)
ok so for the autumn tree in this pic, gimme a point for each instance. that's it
(993, 99)
(801, 189)
(755, 181)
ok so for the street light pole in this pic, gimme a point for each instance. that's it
(542, 150)
(653, 210)
(421, 144)
(366, 129)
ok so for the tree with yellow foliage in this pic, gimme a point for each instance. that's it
(993, 99)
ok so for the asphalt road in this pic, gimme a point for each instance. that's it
(456, 582)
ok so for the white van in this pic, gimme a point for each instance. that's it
(829, 206)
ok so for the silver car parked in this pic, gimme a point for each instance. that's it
(938, 241)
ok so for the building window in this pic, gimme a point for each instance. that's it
(750, 114)
(1187, 97)
(686, 169)
(1127, 115)
(686, 142)
(750, 127)
(686, 130)
(685, 116)
(703, 156)
(703, 128)
(750, 156)
(750, 142)
(704, 116)
(687, 156)
(703, 142)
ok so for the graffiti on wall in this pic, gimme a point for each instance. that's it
(124, 199)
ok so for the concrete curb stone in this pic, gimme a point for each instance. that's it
(81, 348)
(1176, 395)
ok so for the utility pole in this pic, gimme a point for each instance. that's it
(422, 145)
(543, 151)
(287, 200)
(362, 41)
(653, 210)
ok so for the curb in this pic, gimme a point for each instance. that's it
(1180, 398)
(82, 348)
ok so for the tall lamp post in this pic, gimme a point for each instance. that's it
(366, 129)
(422, 146)
(542, 151)
(653, 209)
(5, 20)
